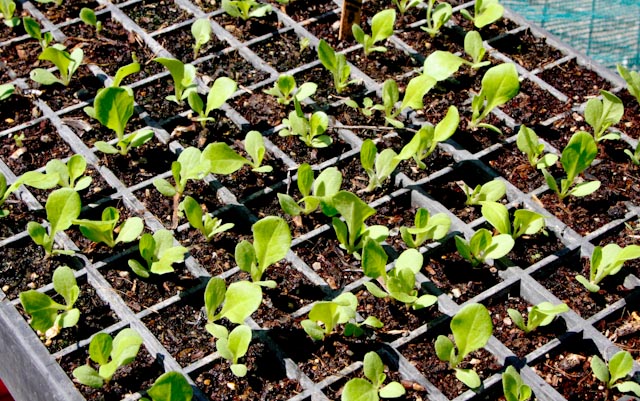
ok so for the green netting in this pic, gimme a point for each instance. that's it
(606, 30)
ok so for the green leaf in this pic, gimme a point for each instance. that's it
(629, 387)
(272, 240)
(585, 188)
(44, 77)
(374, 259)
(498, 216)
(392, 390)
(100, 348)
(63, 206)
(214, 295)
(600, 369)
(171, 386)
(578, 154)
(620, 365)
(113, 108)
(382, 24)
(41, 307)
(88, 376)
(444, 348)
(224, 160)
(223, 88)
(440, 65)
(105, 148)
(130, 230)
(471, 327)
(358, 389)
(241, 300)
(64, 283)
(469, 377)
(373, 368)
(416, 89)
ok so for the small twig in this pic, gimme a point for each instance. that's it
(371, 127)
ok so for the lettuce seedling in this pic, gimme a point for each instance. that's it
(203, 222)
(371, 388)
(285, 89)
(31, 178)
(352, 232)
(109, 354)
(576, 157)
(602, 114)
(529, 144)
(475, 49)
(6, 90)
(32, 27)
(44, 310)
(235, 346)
(436, 18)
(491, 191)
(310, 130)
(316, 193)
(70, 174)
(425, 228)
(170, 386)
(499, 85)
(399, 283)
(381, 29)
(378, 166)
(540, 315)
(404, 5)
(184, 78)
(219, 93)
(635, 155)
(525, 222)
(238, 302)
(485, 12)
(471, 327)
(337, 65)
(483, 246)
(245, 9)
(7, 8)
(6, 191)
(225, 160)
(159, 254)
(620, 365)
(67, 64)
(201, 32)
(607, 261)
(88, 16)
(425, 141)
(63, 207)
(103, 230)
(271, 243)
(633, 81)
(113, 107)
(513, 387)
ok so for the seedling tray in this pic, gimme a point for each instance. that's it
(284, 363)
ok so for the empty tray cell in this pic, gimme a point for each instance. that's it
(66, 10)
(152, 15)
(391, 64)
(283, 51)
(17, 109)
(180, 42)
(514, 166)
(575, 81)
(533, 105)
(301, 11)
(20, 57)
(262, 110)
(141, 163)
(622, 327)
(89, 130)
(233, 65)
(249, 29)
(190, 133)
(528, 50)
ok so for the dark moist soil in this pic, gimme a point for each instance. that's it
(21, 58)
(66, 11)
(530, 249)
(569, 371)
(622, 329)
(356, 180)
(19, 215)
(326, 92)
(382, 66)
(513, 165)
(152, 15)
(231, 64)
(526, 49)
(191, 133)
(449, 39)
(532, 105)
(250, 29)
(282, 51)
(83, 87)
(137, 376)
(397, 212)
(266, 379)
(630, 123)
(293, 147)
(179, 43)
(563, 284)
(90, 130)
(142, 163)
(17, 109)
(498, 28)
(301, 11)
(261, 110)
(244, 182)
(39, 145)
(152, 97)
(575, 81)
(216, 256)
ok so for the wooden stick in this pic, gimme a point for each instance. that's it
(350, 15)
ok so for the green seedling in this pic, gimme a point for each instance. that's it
(485, 12)
(405, 5)
(31, 178)
(529, 144)
(67, 64)
(381, 29)
(602, 114)
(70, 174)
(399, 283)
(436, 18)
(620, 365)
(235, 346)
(576, 157)
(483, 246)
(271, 243)
(390, 96)
(223, 88)
(525, 222)
(513, 387)
(7, 9)
(475, 49)
(310, 130)
(63, 207)
(378, 166)
(18, 139)
(236, 303)
(184, 78)
(32, 27)
(491, 191)
(607, 261)
(285, 89)
(113, 107)
(88, 16)
(635, 155)
(425, 141)
(352, 232)
(201, 32)
(426, 227)
(633, 81)
(245, 9)
(372, 387)
(225, 160)
(316, 193)
(471, 328)
(109, 354)
(203, 222)
(170, 386)
(499, 85)
(44, 310)
(6, 90)
(159, 254)
(6, 191)
(304, 44)
(540, 315)
(368, 107)
(56, 2)
(103, 230)
(337, 65)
